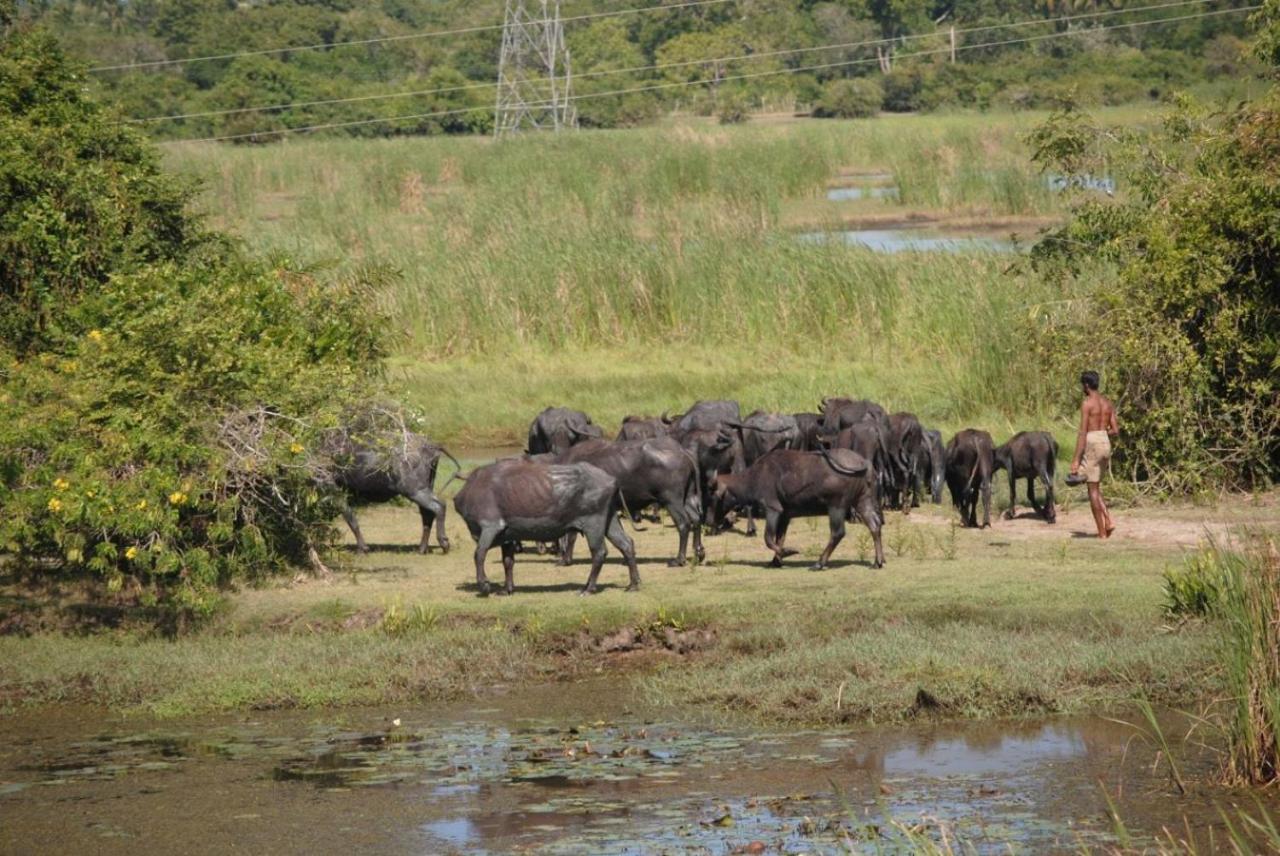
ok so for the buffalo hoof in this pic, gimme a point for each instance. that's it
(751, 531)
(445, 545)
(675, 563)
(701, 554)
(633, 587)
(564, 563)
(818, 566)
(776, 562)
(484, 590)
(1008, 515)
(504, 592)
(588, 590)
(362, 549)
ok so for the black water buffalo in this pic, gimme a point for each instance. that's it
(515, 499)
(761, 433)
(867, 439)
(906, 447)
(705, 415)
(643, 428)
(931, 466)
(809, 426)
(790, 483)
(716, 450)
(1030, 455)
(970, 462)
(557, 428)
(840, 413)
(378, 470)
(657, 470)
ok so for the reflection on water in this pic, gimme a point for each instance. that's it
(852, 194)
(584, 778)
(910, 240)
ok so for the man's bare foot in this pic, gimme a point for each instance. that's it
(1111, 527)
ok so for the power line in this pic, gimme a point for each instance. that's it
(669, 65)
(753, 75)
(133, 66)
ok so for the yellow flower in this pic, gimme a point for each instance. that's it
(296, 448)
(89, 494)
(131, 553)
(141, 506)
(68, 366)
(95, 335)
(61, 484)
(55, 505)
(177, 498)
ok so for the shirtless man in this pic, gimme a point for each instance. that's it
(1093, 447)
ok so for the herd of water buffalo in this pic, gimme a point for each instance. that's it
(849, 461)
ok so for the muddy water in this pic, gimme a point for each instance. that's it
(579, 769)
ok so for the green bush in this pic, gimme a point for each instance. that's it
(732, 107)
(1194, 588)
(160, 395)
(1187, 330)
(856, 98)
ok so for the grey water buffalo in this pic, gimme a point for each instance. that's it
(716, 450)
(931, 465)
(906, 447)
(643, 428)
(970, 462)
(841, 413)
(705, 415)
(383, 468)
(788, 483)
(513, 500)
(654, 471)
(809, 425)
(1030, 455)
(557, 428)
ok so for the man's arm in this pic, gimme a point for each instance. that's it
(1084, 421)
(1113, 424)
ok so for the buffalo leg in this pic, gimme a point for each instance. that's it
(1031, 496)
(483, 544)
(680, 517)
(1050, 511)
(836, 515)
(350, 516)
(771, 520)
(784, 524)
(509, 567)
(1013, 496)
(875, 524)
(619, 538)
(432, 511)
(566, 548)
(986, 500)
(916, 484)
(751, 520)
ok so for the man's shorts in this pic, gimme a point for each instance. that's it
(1097, 456)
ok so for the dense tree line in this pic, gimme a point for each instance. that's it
(1097, 66)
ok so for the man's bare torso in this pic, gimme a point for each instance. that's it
(1098, 414)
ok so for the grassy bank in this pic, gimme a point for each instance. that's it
(667, 250)
(1015, 620)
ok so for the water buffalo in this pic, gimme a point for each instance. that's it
(643, 428)
(970, 462)
(761, 433)
(557, 428)
(514, 499)
(905, 448)
(380, 469)
(656, 470)
(716, 450)
(790, 483)
(705, 415)
(841, 413)
(1030, 455)
(867, 440)
(809, 425)
(931, 465)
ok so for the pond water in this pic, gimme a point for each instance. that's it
(568, 769)
(903, 240)
(852, 194)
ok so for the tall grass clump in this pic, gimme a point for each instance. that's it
(1250, 654)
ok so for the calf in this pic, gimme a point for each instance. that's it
(970, 462)
(650, 471)
(789, 483)
(515, 499)
(1030, 455)
(379, 470)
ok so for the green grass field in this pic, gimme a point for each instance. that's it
(1022, 618)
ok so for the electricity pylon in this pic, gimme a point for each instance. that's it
(534, 76)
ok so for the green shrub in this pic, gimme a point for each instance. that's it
(1194, 588)
(732, 107)
(160, 395)
(856, 98)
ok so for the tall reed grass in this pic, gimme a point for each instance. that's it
(660, 238)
